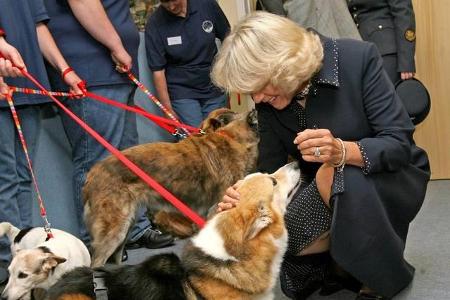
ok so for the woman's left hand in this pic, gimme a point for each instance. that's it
(319, 145)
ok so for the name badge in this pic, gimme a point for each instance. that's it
(174, 40)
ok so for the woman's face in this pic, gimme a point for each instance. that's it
(175, 7)
(273, 96)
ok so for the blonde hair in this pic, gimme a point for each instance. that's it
(265, 48)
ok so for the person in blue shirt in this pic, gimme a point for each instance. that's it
(24, 38)
(100, 41)
(180, 39)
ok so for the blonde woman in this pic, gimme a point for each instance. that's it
(328, 104)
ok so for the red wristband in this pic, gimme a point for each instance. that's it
(2, 32)
(66, 71)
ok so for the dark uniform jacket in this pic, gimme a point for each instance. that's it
(390, 24)
(353, 98)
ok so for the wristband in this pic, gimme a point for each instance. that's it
(2, 32)
(66, 71)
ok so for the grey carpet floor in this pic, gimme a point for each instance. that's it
(428, 249)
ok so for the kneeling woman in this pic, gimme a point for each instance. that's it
(330, 105)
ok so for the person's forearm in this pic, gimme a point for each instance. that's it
(353, 154)
(159, 80)
(49, 49)
(92, 16)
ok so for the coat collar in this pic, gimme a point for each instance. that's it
(329, 73)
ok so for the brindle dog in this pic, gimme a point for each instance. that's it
(196, 170)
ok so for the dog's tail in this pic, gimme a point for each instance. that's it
(10, 230)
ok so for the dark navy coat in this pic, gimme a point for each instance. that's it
(353, 98)
(390, 24)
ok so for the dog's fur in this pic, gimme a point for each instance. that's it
(237, 255)
(196, 170)
(38, 263)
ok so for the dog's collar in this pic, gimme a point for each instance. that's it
(224, 133)
(100, 289)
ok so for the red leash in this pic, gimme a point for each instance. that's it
(194, 217)
(169, 125)
(43, 212)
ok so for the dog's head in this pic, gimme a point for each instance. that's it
(218, 118)
(30, 268)
(264, 198)
(222, 117)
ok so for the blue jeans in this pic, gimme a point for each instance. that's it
(15, 179)
(117, 126)
(193, 111)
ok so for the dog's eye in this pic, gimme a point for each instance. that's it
(274, 181)
(22, 275)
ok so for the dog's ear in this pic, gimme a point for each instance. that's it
(262, 220)
(51, 261)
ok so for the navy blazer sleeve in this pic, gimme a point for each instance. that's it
(404, 21)
(389, 147)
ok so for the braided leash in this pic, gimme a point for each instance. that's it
(43, 212)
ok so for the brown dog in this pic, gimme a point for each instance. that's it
(196, 170)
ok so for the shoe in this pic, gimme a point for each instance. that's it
(330, 286)
(370, 296)
(3, 275)
(152, 239)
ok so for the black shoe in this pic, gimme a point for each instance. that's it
(152, 239)
(330, 286)
(3, 275)
(370, 296)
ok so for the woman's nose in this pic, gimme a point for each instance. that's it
(257, 97)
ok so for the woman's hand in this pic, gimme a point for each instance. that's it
(122, 60)
(406, 75)
(319, 145)
(73, 81)
(230, 199)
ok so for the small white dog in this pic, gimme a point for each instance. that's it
(38, 263)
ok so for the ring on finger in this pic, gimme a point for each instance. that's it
(317, 152)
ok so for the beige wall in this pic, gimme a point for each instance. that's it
(433, 68)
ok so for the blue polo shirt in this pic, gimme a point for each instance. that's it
(88, 57)
(185, 47)
(18, 18)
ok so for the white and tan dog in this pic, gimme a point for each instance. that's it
(236, 256)
(38, 263)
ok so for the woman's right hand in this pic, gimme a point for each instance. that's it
(230, 199)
